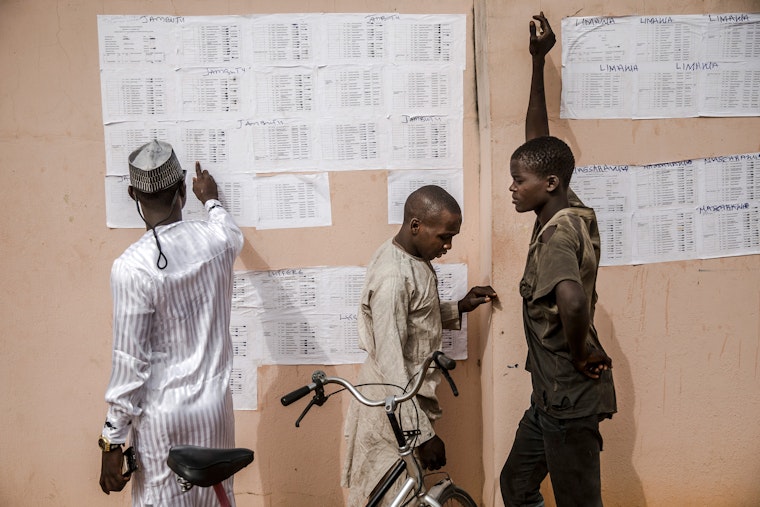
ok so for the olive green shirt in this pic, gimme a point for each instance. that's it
(571, 253)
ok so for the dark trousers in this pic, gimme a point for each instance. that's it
(567, 449)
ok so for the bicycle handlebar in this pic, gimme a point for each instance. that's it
(319, 379)
(297, 394)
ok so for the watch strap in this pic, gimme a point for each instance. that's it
(106, 445)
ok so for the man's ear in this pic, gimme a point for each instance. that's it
(552, 182)
(414, 225)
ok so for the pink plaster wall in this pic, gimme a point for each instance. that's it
(683, 336)
(57, 253)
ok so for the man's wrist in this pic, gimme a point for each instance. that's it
(580, 356)
(211, 204)
(107, 446)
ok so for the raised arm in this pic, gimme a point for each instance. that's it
(206, 190)
(541, 41)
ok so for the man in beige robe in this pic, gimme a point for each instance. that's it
(400, 324)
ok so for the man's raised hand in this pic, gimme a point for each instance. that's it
(541, 43)
(204, 186)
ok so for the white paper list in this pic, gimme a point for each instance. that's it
(283, 144)
(351, 143)
(284, 93)
(429, 39)
(244, 375)
(284, 39)
(236, 193)
(302, 315)
(352, 39)
(352, 89)
(213, 92)
(432, 141)
(452, 286)
(729, 229)
(222, 147)
(130, 40)
(138, 96)
(733, 178)
(690, 209)
(437, 90)
(292, 200)
(211, 41)
(403, 183)
(309, 315)
(664, 235)
(666, 185)
(663, 66)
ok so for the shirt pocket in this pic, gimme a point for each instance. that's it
(566, 386)
(528, 281)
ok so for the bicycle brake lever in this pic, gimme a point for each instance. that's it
(318, 399)
(445, 364)
(450, 381)
(303, 414)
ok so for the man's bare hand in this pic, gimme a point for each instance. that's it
(204, 186)
(593, 366)
(541, 43)
(476, 297)
(432, 453)
(111, 477)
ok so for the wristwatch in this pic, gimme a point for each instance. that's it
(106, 445)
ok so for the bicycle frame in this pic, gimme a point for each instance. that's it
(410, 484)
(407, 461)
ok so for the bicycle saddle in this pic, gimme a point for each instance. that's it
(204, 466)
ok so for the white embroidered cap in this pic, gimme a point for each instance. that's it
(154, 167)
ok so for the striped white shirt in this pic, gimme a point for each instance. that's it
(172, 353)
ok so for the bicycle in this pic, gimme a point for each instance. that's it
(207, 467)
(444, 492)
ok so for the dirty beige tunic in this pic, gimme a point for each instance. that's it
(400, 322)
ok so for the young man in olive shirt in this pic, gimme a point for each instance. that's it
(572, 382)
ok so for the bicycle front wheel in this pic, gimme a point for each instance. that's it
(454, 496)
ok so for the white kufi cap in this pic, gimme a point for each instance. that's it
(154, 167)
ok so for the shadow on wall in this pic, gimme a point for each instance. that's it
(621, 484)
(302, 464)
(297, 467)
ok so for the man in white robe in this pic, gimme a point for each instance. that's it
(400, 324)
(172, 353)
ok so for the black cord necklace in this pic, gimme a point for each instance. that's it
(162, 261)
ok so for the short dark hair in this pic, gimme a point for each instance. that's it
(547, 155)
(428, 202)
